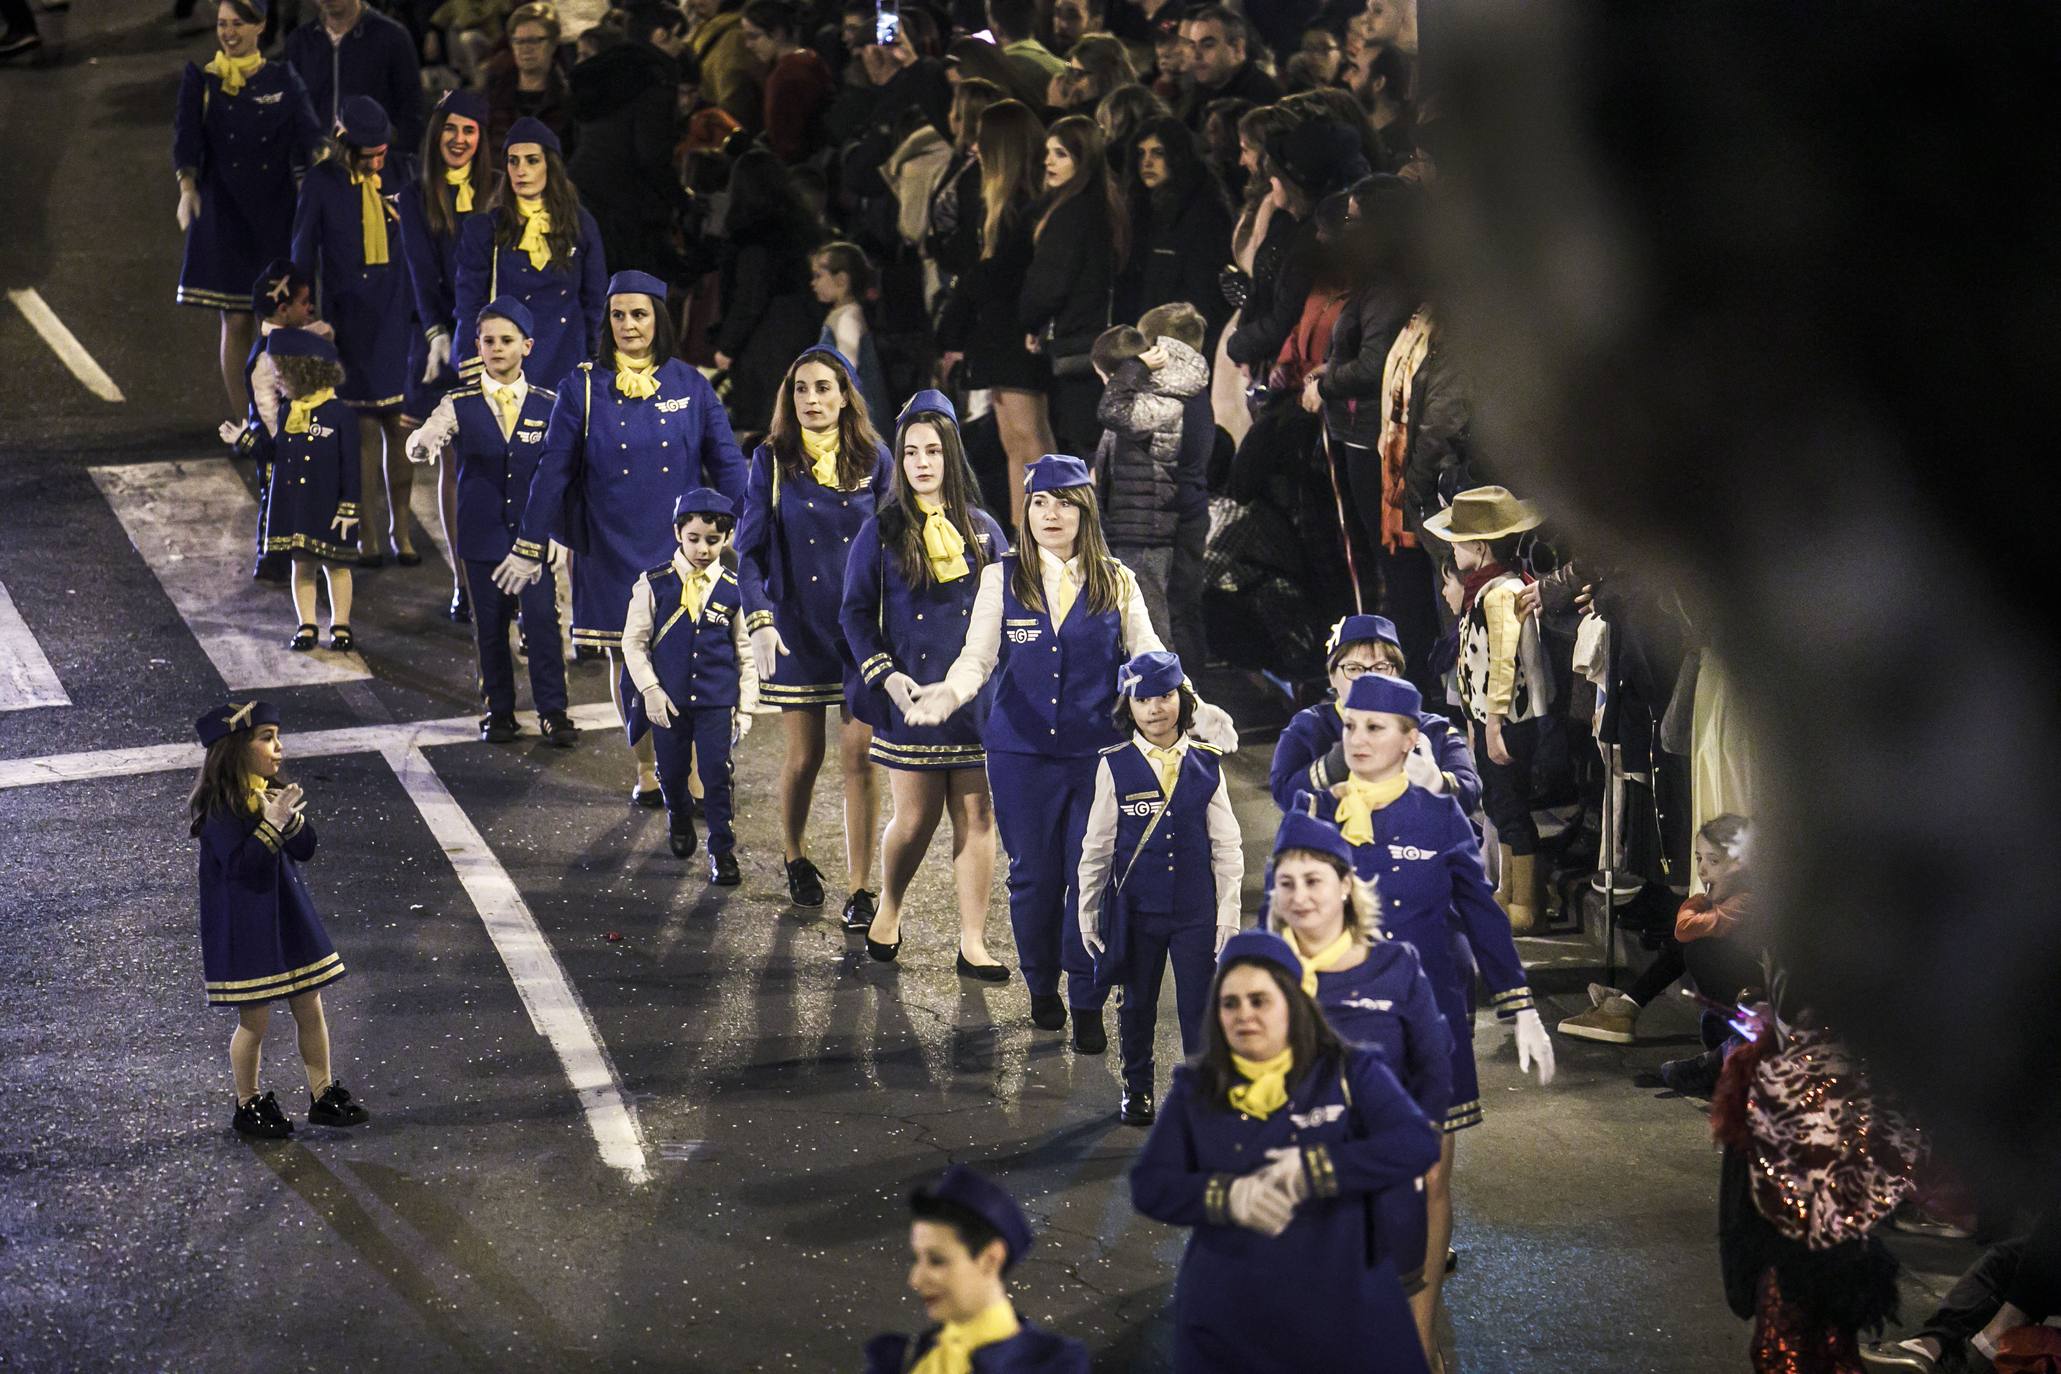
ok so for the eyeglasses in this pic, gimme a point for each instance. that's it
(1351, 669)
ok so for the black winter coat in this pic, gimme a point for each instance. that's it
(1179, 257)
(1067, 294)
(1360, 341)
(1278, 294)
(625, 108)
(769, 314)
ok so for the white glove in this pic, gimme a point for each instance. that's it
(342, 524)
(439, 357)
(282, 804)
(901, 690)
(1422, 769)
(658, 707)
(1259, 1204)
(513, 573)
(1224, 933)
(1285, 1171)
(1534, 1046)
(932, 705)
(1092, 940)
(740, 726)
(418, 447)
(766, 644)
(1213, 725)
(189, 207)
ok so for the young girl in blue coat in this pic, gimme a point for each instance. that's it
(239, 132)
(812, 484)
(311, 501)
(261, 938)
(1274, 1147)
(908, 593)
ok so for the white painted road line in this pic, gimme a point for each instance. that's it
(63, 343)
(196, 526)
(26, 678)
(555, 1009)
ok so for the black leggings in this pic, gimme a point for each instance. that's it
(17, 15)
(2025, 1272)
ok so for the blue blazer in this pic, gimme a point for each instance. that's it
(494, 473)
(568, 299)
(1315, 729)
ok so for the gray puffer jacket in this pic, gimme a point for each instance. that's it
(1137, 464)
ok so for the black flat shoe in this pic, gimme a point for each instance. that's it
(559, 731)
(987, 973)
(461, 607)
(683, 840)
(371, 561)
(884, 953)
(649, 797)
(340, 639)
(303, 639)
(499, 729)
(722, 869)
(1088, 1036)
(262, 1118)
(805, 884)
(1048, 1013)
(410, 559)
(858, 911)
(335, 1108)
(1136, 1108)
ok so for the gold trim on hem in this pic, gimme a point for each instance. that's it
(321, 548)
(248, 984)
(1461, 1115)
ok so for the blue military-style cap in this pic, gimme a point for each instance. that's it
(1263, 945)
(1302, 830)
(986, 1199)
(928, 401)
(361, 123)
(279, 283)
(300, 343)
(702, 501)
(1152, 674)
(230, 717)
(530, 129)
(823, 350)
(1378, 692)
(1056, 470)
(513, 311)
(463, 103)
(1355, 628)
(634, 283)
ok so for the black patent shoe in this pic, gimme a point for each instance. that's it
(1136, 1108)
(559, 731)
(460, 609)
(340, 639)
(499, 729)
(884, 953)
(303, 639)
(262, 1118)
(805, 884)
(858, 910)
(335, 1108)
(1048, 1013)
(1088, 1036)
(722, 869)
(987, 973)
(683, 840)
(647, 797)
(370, 561)
(410, 559)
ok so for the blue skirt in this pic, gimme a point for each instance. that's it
(422, 397)
(229, 245)
(252, 956)
(812, 672)
(372, 329)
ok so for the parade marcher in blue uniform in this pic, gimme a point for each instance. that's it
(967, 1234)
(1374, 992)
(908, 594)
(241, 128)
(813, 482)
(261, 938)
(685, 650)
(630, 434)
(346, 231)
(1161, 865)
(1051, 623)
(1274, 1146)
(1308, 757)
(352, 49)
(537, 243)
(282, 297)
(454, 180)
(311, 502)
(492, 434)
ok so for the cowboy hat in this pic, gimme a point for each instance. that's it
(1482, 513)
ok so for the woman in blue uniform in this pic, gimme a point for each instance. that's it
(537, 244)
(1274, 1146)
(260, 935)
(966, 1236)
(908, 593)
(1308, 757)
(455, 180)
(346, 229)
(241, 127)
(630, 434)
(812, 484)
(1051, 623)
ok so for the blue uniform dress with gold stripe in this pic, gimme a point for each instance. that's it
(794, 539)
(260, 936)
(315, 479)
(567, 299)
(893, 625)
(368, 303)
(242, 150)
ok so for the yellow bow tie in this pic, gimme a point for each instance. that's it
(1265, 1090)
(942, 542)
(506, 405)
(459, 179)
(1361, 800)
(1323, 959)
(536, 229)
(638, 381)
(1168, 761)
(254, 793)
(1064, 597)
(234, 71)
(822, 447)
(372, 213)
(300, 412)
(694, 591)
(956, 1341)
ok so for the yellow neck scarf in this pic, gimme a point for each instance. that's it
(821, 445)
(536, 225)
(694, 590)
(1069, 591)
(1265, 1090)
(234, 71)
(956, 1341)
(300, 411)
(1314, 964)
(459, 179)
(638, 381)
(1361, 800)
(372, 212)
(254, 792)
(942, 542)
(1168, 762)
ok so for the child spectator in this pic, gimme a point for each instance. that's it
(1137, 464)
(842, 277)
(311, 503)
(1199, 439)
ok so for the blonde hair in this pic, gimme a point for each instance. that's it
(1362, 897)
(1010, 140)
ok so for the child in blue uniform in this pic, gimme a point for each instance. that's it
(908, 593)
(495, 430)
(966, 1236)
(1161, 864)
(685, 651)
(1308, 756)
(241, 128)
(346, 232)
(813, 483)
(281, 298)
(261, 938)
(311, 503)
(1051, 623)
(536, 242)
(1270, 1147)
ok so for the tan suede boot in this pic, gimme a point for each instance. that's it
(1524, 903)
(1503, 876)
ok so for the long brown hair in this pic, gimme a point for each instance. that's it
(437, 194)
(1309, 1035)
(1082, 139)
(1011, 144)
(561, 202)
(224, 781)
(1101, 588)
(901, 519)
(858, 443)
(971, 98)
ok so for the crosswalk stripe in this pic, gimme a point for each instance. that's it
(65, 344)
(195, 525)
(26, 678)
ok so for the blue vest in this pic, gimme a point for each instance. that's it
(696, 660)
(1054, 692)
(494, 473)
(1172, 872)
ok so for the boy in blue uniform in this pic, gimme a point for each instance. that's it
(498, 426)
(686, 653)
(1161, 864)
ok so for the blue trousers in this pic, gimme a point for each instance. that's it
(492, 611)
(705, 733)
(1041, 812)
(1190, 940)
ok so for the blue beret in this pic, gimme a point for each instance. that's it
(299, 343)
(925, 402)
(530, 129)
(826, 351)
(636, 283)
(463, 103)
(986, 1199)
(702, 501)
(1355, 628)
(1379, 692)
(227, 719)
(275, 286)
(512, 310)
(1151, 674)
(1263, 945)
(1056, 470)
(362, 123)
(1301, 830)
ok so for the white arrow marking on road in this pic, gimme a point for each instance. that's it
(26, 678)
(65, 345)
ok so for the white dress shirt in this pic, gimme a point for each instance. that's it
(1098, 845)
(434, 434)
(976, 662)
(638, 629)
